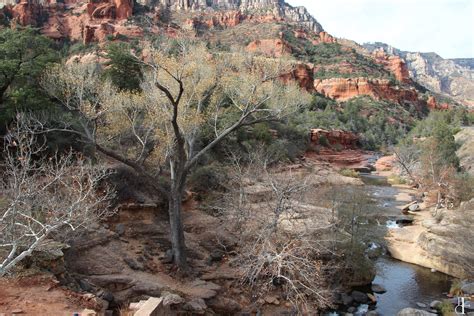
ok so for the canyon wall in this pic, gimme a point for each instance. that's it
(277, 8)
(453, 78)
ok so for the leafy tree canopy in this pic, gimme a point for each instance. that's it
(24, 55)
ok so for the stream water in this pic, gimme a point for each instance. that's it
(406, 284)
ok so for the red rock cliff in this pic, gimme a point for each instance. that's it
(394, 64)
(343, 89)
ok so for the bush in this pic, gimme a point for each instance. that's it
(396, 179)
(323, 141)
(446, 308)
(349, 173)
(455, 289)
(122, 68)
(207, 178)
(463, 187)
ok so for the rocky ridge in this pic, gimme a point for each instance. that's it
(95, 20)
(451, 77)
(277, 8)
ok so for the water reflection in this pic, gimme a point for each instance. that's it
(406, 285)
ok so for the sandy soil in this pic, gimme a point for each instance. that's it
(38, 295)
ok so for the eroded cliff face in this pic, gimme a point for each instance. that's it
(276, 8)
(394, 64)
(343, 89)
(96, 20)
(454, 78)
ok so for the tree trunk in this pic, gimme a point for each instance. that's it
(176, 227)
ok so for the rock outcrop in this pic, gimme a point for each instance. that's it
(275, 8)
(434, 105)
(394, 64)
(114, 9)
(27, 13)
(465, 138)
(343, 89)
(269, 47)
(454, 78)
(334, 137)
(441, 241)
(95, 20)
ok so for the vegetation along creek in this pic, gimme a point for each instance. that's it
(404, 285)
(234, 157)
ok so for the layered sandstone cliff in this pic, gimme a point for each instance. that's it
(395, 64)
(276, 8)
(343, 89)
(95, 20)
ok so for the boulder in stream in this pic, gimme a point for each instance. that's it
(360, 297)
(377, 288)
(468, 288)
(435, 304)
(404, 220)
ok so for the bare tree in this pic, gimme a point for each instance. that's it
(159, 132)
(408, 159)
(45, 194)
(280, 246)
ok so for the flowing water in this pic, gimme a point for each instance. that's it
(406, 284)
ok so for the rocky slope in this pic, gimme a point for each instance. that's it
(464, 62)
(465, 139)
(440, 240)
(268, 27)
(453, 78)
(89, 20)
(277, 8)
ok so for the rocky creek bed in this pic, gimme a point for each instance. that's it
(400, 285)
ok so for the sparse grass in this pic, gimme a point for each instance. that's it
(349, 173)
(446, 308)
(456, 288)
(396, 179)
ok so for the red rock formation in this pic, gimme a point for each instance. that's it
(386, 163)
(398, 67)
(434, 105)
(27, 12)
(343, 89)
(110, 9)
(394, 64)
(269, 47)
(226, 19)
(303, 74)
(300, 34)
(324, 37)
(334, 137)
(124, 9)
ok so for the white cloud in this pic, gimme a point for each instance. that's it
(442, 26)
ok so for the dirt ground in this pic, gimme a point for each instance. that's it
(41, 295)
(37, 295)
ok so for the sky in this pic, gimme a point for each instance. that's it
(445, 27)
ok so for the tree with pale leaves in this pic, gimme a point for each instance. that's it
(158, 131)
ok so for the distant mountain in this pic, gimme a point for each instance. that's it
(465, 62)
(451, 77)
(336, 69)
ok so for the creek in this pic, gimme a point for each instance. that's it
(406, 284)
